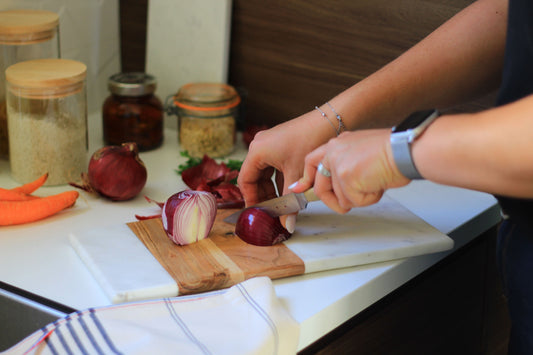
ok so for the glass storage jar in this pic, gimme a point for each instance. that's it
(133, 113)
(47, 120)
(24, 35)
(207, 118)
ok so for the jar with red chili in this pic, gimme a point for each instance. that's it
(133, 113)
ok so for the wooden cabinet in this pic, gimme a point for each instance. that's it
(455, 307)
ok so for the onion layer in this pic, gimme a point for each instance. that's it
(115, 172)
(189, 215)
(256, 226)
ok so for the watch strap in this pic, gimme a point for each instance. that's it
(401, 151)
(402, 138)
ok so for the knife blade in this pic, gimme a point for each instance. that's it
(279, 206)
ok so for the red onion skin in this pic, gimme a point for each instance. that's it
(174, 208)
(117, 172)
(256, 226)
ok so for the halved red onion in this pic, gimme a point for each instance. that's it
(189, 215)
(256, 226)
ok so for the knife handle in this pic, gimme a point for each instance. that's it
(310, 195)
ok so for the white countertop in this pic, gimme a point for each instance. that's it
(38, 257)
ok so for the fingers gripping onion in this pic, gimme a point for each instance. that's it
(189, 215)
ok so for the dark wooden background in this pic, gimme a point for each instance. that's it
(289, 56)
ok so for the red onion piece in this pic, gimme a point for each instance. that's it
(160, 204)
(158, 215)
(216, 178)
(142, 218)
(249, 133)
(115, 172)
(189, 215)
(256, 226)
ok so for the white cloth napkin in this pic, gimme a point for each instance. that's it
(247, 318)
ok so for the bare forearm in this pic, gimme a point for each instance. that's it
(487, 151)
(462, 59)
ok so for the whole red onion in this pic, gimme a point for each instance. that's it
(115, 172)
(256, 226)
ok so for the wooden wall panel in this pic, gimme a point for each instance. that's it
(293, 55)
(133, 23)
(289, 56)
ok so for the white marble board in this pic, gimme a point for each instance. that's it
(324, 240)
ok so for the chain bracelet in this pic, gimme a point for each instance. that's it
(337, 132)
(339, 118)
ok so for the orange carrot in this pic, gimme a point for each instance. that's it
(11, 195)
(18, 212)
(31, 186)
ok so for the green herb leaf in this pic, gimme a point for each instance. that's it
(234, 164)
(191, 161)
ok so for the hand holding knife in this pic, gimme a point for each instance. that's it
(279, 206)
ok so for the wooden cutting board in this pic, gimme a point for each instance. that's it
(137, 261)
(219, 261)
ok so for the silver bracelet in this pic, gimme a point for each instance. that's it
(337, 132)
(339, 118)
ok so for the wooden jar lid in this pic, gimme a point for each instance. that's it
(41, 78)
(27, 26)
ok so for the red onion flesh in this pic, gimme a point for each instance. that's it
(256, 226)
(115, 172)
(189, 215)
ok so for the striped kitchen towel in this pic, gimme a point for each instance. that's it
(247, 318)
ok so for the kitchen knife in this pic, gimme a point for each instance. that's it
(279, 206)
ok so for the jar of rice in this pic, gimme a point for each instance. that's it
(47, 120)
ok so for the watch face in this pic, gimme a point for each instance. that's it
(413, 120)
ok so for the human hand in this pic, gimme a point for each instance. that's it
(281, 149)
(361, 166)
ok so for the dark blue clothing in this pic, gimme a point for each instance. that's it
(515, 238)
(515, 261)
(517, 80)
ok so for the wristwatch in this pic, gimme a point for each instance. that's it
(403, 136)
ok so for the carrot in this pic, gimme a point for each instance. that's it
(18, 212)
(31, 186)
(11, 195)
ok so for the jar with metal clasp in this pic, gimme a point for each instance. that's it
(207, 116)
